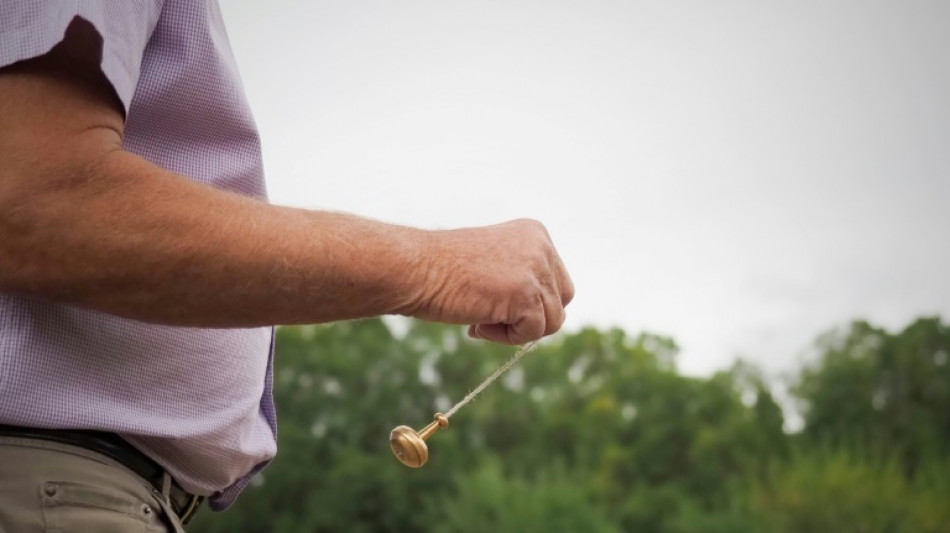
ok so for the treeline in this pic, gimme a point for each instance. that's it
(596, 431)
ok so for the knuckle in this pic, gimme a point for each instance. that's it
(527, 221)
(567, 295)
(532, 225)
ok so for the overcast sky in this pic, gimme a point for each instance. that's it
(739, 175)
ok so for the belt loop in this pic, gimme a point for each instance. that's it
(171, 517)
(165, 502)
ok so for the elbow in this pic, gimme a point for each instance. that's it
(52, 224)
(54, 216)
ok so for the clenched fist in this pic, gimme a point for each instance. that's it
(506, 281)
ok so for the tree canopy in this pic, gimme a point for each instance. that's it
(596, 431)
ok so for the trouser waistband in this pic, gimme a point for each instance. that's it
(183, 503)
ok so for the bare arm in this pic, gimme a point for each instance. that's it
(86, 223)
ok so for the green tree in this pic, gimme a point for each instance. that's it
(882, 393)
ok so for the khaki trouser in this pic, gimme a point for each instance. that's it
(51, 487)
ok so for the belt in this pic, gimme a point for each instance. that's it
(118, 449)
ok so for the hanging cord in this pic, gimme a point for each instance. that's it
(525, 348)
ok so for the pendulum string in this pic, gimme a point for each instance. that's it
(525, 348)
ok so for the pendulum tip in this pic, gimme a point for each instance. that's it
(409, 445)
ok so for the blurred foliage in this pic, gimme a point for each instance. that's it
(596, 431)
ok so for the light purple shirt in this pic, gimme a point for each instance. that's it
(198, 401)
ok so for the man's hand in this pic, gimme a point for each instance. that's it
(507, 281)
(84, 222)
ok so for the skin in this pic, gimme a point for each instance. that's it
(84, 222)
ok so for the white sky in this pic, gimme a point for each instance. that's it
(739, 175)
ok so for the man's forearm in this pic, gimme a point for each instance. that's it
(146, 244)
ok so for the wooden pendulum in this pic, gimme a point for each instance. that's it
(410, 446)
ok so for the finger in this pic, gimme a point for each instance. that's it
(492, 332)
(531, 324)
(554, 319)
(529, 327)
(565, 284)
(553, 312)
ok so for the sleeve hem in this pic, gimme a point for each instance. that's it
(36, 35)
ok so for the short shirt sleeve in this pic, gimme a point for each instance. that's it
(30, 28)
